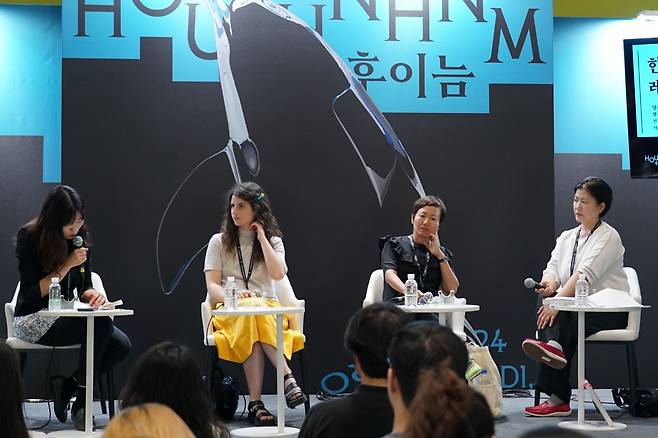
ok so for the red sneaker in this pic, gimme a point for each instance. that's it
(546, 410)
(544, 353)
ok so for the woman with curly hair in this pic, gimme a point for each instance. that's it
(249, 249)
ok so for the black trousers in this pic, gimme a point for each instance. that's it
(111, 345)
(564, 331)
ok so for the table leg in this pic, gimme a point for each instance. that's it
(89, 394)
(280, 364)
(581, 424)
(581, 367)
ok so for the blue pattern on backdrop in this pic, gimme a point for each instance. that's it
(31, 79)
(589, 82)
(406, 67)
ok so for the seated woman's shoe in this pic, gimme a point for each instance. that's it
(294, 394)
(259, 415)
(63, 389)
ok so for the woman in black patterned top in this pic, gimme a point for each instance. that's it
(420, 253)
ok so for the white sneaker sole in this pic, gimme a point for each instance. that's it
(535, 352)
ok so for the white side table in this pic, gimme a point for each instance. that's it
(89, 378)
(269, 431)
(441, 308)
(581, 424)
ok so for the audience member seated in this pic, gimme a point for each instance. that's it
(553, 432)
(426, 385)
(367, 412)
(148, 420)
(167, 374)
(12, 422)
(420, 253)
(249, 249)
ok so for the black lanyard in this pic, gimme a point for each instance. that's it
(251, 263)
(422, 272)
(575, 246)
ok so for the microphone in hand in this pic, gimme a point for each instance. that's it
(78, 242)
(532, 284)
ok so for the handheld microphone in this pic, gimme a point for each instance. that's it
(531, 284)
(78, 242)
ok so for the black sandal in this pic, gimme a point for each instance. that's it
(294, 394)
(258, 413)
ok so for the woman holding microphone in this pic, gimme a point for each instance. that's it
(45, 249)
(592, 249)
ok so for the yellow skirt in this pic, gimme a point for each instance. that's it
(235, 336)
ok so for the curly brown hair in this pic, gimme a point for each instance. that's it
(259, 201)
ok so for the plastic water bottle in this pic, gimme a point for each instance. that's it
(54, 294)
(410, 291)
(230, 294)
(582, 291)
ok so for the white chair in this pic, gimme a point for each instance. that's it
(626, 336)
(374, 294)
(287, 298)
(23, 347)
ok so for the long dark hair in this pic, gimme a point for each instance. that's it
(440, 405)
(58, 210)
(167, 374)
(255, 195)
(11, 402)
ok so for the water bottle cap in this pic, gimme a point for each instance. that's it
(230, 279)
(411, 276)
(54, 280)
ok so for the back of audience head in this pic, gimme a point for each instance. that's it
(427, 367)
(369, 333)
(168, 374)
(424, 345)
(552, 432)
(11, 401)
(150, 420)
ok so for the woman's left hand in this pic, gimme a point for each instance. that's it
(258, 228)
(546, 316)
(93, 297)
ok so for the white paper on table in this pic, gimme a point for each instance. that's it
(613, 298)
(604, 298)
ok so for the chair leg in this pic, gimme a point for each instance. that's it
(631, 361)
(110, 391)
(212, 360)
(537, 394)
(307, 405)
(22, 358)
(102, 394)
